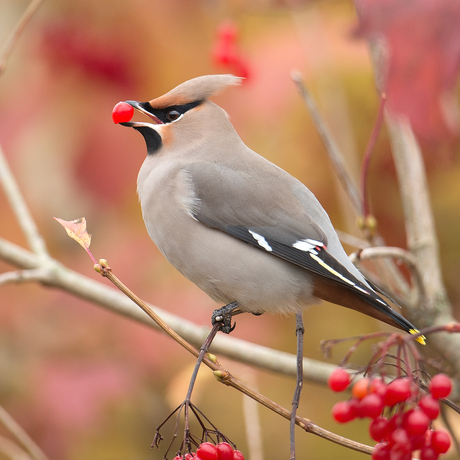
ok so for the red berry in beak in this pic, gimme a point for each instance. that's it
(122, 112)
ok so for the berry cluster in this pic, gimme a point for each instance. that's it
(209, 451)
(406, 426)
(226, 52)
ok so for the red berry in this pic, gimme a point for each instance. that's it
(228, 31)
(122, 112)
(417, 442)
(381, 452)
(190, 456)
(361, 388)
(393, 423)
(430, 406)
(339, 380)
(378, 428)
(224, 451)
(207, 451)
(400, 454)
(379, 387)
(356, 407)
(371, 405)
(242, 68)
(342, 412)
(440, 441)
(224, 54)
(400, 438)
(237, 455)
(398, 390)
(428, 453)
(440, 386)
(416, 423)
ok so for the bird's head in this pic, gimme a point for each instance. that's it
(180, 117)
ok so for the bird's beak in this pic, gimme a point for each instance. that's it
(138, 106)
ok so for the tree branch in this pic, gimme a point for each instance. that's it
(435, 309)
(56, 275)
(13, 38)
(11, 450)
(24, 440)
(394, 253)
(333, 151)
(20, 208)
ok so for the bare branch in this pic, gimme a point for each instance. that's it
(20, 208)
(390, 271)
(113, 300)
(10, 450)
(352, 240)
(331, 147)
(421, 238)
(395, 253)
(24, 440)
(13, 38)
(255, 355)
(421, 234)
(25, 276)
(368, 155)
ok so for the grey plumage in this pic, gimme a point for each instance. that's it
(238, 226)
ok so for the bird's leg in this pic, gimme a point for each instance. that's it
(203, 350)
(298, 389)
(224, 315)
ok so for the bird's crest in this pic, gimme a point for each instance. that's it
(196, 89)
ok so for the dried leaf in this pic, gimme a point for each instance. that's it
(76, 229)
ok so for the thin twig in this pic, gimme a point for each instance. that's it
(203, 350)
(150, 311)
(14, 36)
(20, 208)
(24, 440)
(395, 253)
(299, 381)
(368, 154)
(331, 147)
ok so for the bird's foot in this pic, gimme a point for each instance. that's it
(224, 315)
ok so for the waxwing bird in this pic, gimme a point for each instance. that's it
(242, 229)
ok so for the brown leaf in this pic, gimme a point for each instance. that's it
(76, 229)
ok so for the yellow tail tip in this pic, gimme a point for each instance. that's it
(420, 339)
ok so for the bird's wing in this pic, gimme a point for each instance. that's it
(277, 224)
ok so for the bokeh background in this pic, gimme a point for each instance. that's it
(87, 384)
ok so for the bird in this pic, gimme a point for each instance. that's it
(246, 232)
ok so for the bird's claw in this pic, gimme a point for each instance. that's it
(224, 316)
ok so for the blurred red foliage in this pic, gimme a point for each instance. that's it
(423, 38)
(69, 45)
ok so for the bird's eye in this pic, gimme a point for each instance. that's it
(172, 115)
